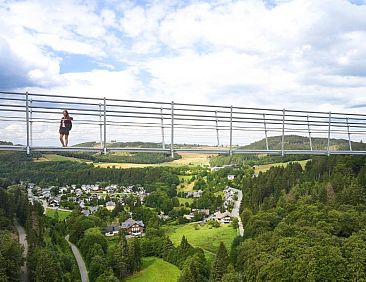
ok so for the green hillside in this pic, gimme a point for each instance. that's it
(291, 142)
(295, 142)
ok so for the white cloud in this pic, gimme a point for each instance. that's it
(304, 54)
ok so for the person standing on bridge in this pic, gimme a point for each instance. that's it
(65, 127)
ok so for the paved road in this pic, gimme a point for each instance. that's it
(79, 260)
(24, 243)
(235, 211)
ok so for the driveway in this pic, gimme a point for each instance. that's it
(235, 211)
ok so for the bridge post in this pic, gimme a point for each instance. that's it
(329, 124)
(162, 128)
(105, 127)
(100, 126)
(283, 133)
(27, 120)
(310, 141)
(231, 130)
(217, 130)
(30, 124)
(172, 131)
(349, 136)
(265, 130)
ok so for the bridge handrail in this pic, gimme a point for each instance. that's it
(40, 108)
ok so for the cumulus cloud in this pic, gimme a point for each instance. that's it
(276, 53)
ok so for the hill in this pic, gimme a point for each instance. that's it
(295, 142)
(292, 142)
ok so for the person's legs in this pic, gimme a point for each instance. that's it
(66, 139)
(62, 140)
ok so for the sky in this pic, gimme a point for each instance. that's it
(298, 54)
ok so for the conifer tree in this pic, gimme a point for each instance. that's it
(134, 253)
(219, 266)
(230, 275)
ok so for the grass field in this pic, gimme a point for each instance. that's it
(193, 159)
(58, 158)
(205, 237)
(185, 200)
(264, 168)
(61, 214)
(156, 270)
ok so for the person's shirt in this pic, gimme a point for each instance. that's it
(66, 122)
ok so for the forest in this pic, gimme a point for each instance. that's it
(301, 224)
(305, 225)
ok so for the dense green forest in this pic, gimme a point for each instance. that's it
(300, 224)
(305, 225)
(16, 167)
(141, 158)
(48, 251)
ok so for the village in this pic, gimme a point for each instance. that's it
(91, 197)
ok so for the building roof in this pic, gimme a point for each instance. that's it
(220, 215)
(112, 227)
(129, 222)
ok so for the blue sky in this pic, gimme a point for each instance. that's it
(276, 53)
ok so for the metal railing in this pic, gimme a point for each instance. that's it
(168, 118)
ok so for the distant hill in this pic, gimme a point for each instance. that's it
(137, 144)
(292, 142)
(295, 142)
(6, 143)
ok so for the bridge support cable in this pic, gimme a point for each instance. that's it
(283, 133)
(217, 130)
(172, 131)
(309, 131)
(105, 126)
(27, 121)
(265, 131)
(329, 125)
(349, 136)
(30, 123)
(231, 130)
(162, 128)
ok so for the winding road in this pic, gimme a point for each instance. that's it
(235, 211)
(79, 260)
(24, 243)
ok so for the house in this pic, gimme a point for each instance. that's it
(110, 205)
(93, 209)
(112, 229)
(205, 212)
(224, 217)
(189, 217)
(230, 177)
(133, 227)
(194, 194)
(85, 212)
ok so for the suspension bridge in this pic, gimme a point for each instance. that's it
(168, 121)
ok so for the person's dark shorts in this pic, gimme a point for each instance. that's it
(64, 131)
